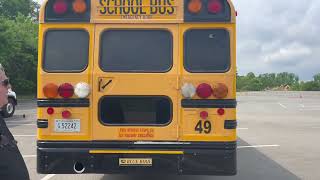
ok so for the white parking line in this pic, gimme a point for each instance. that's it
(20, 124)
(17, 121)
(258, 146)
(285, 107)
(302, 105)
(24, 135)
(47, 177)
(242, 128)
(29, 156)
(310, 109)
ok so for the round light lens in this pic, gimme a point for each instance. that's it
(50, 90)
(66, 90)
(188, 90)
(221, 112)
(220, 91)
(60, 7)
(66, 114)
(204, 114)
(214, 6)
(50, 110)
(194, 6)
(79, 6)
(204, 90)
(82, 90)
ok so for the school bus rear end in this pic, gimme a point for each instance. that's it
(138, 86)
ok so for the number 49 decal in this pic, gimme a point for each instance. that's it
(203, 127)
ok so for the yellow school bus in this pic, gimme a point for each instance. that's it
(137, 87)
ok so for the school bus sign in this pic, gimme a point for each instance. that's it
(135, 10)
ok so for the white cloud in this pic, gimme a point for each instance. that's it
(276, 36)
(289, 55)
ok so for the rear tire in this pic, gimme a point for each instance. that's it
(9, 109)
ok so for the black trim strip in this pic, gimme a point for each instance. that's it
(135, 145)
(230, 124)
(209, 103)
(42, 123)
(63, 103)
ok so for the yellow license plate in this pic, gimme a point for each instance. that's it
(135, 162)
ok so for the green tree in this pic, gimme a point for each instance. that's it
(11, 8)
(317, 78)
(18, 52)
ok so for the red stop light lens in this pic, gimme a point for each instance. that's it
(214, 6)
(60, 7)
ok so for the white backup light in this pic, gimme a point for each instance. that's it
(82, 90)
(188, 90)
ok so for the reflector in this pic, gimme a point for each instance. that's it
(221, 112)
(204, 114)
(60, 7)
(50, 110)
(66, 114)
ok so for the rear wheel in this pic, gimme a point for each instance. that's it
(9, 109)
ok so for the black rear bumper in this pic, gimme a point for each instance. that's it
(197, 158)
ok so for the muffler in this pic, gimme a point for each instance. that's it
(78, 167)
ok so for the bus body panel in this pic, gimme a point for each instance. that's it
(186, 145)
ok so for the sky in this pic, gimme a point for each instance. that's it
(278, 36)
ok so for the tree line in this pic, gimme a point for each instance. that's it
(276, 81)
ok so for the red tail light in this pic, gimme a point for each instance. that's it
(214, 6)
(66, 114)
(220, 91)
(50, 110)
(204, 114)
(204, 90)
(60, 7)
(221, 112)
(66, 90)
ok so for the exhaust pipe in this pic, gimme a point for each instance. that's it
(78, 168)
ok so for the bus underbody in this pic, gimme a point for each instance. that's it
(178, 158)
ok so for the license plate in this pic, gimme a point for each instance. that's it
(67, 125)
(135, 162)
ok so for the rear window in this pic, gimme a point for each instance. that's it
(135, 110)
(136, 51)
(207, 50)
(66, 51)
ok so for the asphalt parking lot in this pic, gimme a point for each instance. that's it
(278, 139)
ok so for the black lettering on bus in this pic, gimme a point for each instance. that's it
(116, 4)
(134, 7)
(126, 6)
(141, 8)
(153, 7)
(170, 9)
(162, 6)
(103, 8)
(109, 8)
